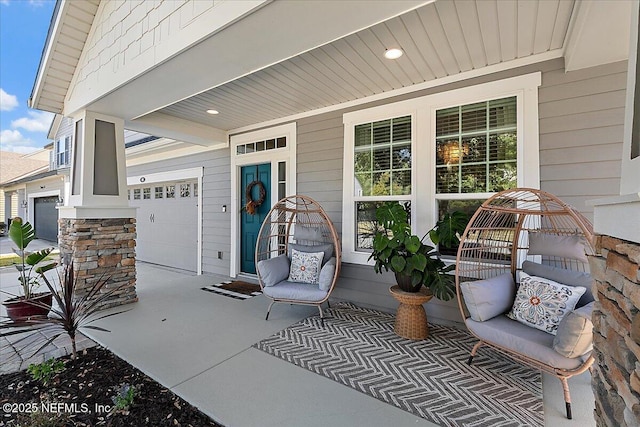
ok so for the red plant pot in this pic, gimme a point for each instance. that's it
(19, 308)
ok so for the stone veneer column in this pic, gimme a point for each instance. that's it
(102, 248)
(616, 332)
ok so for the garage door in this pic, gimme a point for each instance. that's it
(167, 223)
(45, 218)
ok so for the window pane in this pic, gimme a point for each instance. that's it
(381, 184)
(260, 146)
(159, 192)
(447, 121)
(382, 158)
(282, 171)
(384, 168)
(448, 206)
(128, 194)
(401, 182)
(502, 176)
(366, 225)
(447, 151)
(240, 149)
(281, 142)
(447, 179)
(474, 149)
(503, 146)
(146, 193)
(402, 157)
(402, 129)
(250, 148)
(363, 184)
(502, 113)
(195, 189)
(474, 179)
(382, 132)
(271, 144)
(362, 135)
(362, 161)
(474, 117)
(171, 191)
(479, 150)
(136, 194)
(185, 190)
(282, 190)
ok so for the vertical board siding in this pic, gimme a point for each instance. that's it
(216, 191)
(581, 117)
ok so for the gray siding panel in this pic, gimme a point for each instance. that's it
(578, 109)
(216, 191)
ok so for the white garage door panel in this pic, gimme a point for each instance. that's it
(167, 228)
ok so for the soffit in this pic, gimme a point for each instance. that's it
(66, 39)
(440, 39)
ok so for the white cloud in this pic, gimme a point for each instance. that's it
(39, 121)
(4, 2)
(7, 102)
(13, 140)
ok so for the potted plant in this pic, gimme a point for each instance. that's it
(414, 262)
(28, 304)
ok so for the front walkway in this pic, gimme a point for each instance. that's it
(198, 344)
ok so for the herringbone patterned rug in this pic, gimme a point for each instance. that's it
(430, 378)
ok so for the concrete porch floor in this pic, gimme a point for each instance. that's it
(198, 344)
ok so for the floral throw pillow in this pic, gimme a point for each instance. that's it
(542, 303)
(305, 266)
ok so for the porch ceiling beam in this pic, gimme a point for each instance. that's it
(179, 129)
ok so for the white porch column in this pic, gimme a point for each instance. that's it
(97, 226)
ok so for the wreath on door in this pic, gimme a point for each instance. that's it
(253, 204)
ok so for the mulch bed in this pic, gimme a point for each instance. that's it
(82, 396)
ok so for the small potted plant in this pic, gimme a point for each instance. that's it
(414, 262)
(28, 304)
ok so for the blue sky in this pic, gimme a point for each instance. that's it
(23, 30)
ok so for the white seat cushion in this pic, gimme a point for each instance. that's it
(295, 291)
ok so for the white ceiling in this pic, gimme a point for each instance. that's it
(440, 39)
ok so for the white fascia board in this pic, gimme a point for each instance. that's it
(598, 33)
(46, 56)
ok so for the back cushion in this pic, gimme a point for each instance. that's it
(564, 276)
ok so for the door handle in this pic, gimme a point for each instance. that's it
(152, 218)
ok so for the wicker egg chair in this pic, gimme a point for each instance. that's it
(296, 222)
(497, 241)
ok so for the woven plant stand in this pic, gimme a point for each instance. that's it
(411, 319)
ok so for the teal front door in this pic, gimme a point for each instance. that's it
(250, 224)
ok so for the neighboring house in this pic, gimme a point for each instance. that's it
(15, 168)
(488, 95)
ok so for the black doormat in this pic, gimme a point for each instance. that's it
(235, 289)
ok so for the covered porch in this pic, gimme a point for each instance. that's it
(199, 345)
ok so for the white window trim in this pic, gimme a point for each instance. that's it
(273, 156)
(176, 175)
(422, 110)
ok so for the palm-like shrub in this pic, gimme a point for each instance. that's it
(71, 313)
(21, 234)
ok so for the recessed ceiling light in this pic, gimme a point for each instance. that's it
(213, 112)
(393, 53)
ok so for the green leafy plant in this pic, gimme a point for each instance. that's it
(21, 234)
(44, 372)
(125, 397)
(73, 311)
(414, 262)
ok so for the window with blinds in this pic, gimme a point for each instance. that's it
(476, 147)
(382, 171)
